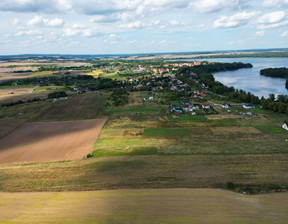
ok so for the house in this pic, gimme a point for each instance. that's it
(285, 126)
(196, 107)
(206, 106)
(176, 115)
(176, 109)
(225, 105)
(248, 106)
(185, 107)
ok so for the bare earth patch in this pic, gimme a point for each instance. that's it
(143, 206)
(51, 141)
(8, 125)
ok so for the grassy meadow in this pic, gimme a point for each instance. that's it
(143, 206)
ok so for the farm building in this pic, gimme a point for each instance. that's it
(185, 107)
(248, 106)
(196, 107)
(206, 106)
(176, 115)
(225, 105)
(285, 126)
(176, 109)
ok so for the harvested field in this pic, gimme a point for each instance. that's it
(76, 107)
(144, 206)
(235, 131)
(11, 76)
(25, 93)
(250, 173)
(53, 141)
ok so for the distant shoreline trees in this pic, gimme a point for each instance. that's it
(275, 72)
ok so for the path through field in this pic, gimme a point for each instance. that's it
(50, 141)
(151, 206)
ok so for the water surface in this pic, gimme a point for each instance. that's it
(250, 80)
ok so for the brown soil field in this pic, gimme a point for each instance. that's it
(53, 141)
(11, 76)
(151, 206)
(25, 93)
(8, 125)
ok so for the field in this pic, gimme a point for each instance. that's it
(23, 93)
(76, 107)
(148, 125)
(143, 206)
(53, 141)
(144, 162)
(259, 173)
(8, 125)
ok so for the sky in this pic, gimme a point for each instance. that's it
(140, 26)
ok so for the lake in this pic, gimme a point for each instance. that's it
(249, 79)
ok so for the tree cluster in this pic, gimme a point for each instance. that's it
(58, 94)
(119, 97)
(82, 81)
(275, 72)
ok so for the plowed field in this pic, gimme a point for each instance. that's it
(50, 141)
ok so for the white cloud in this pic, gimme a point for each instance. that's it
(175, 23)
(270, 26)
(51, 6)
(131, 41)
(277, 3)
(15, 22)
(272, 20)
(108, 11)
(40, 21)
(78, 26)
(238, 19)
(114, 37)
(237, 42)
(210, 6)
(28, 32)
(284, 34)
(133, 25)
(71, 32)
(75, 42)
(273, 17)
(260, 33)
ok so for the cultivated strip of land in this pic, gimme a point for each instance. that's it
(143, 206)
(249, 173)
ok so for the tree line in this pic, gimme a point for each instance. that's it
(275, 72)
